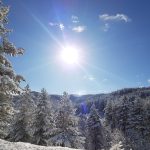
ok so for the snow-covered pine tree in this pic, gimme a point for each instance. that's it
(108, 114)
(117, 137)
(129, 117)
(6, 112)
(44, 120)
(137, 125)
(117, 118)
(82, 123)
(9, 81)
(123, 113)
(95, 132)
(67, 132)
(146, 119)
(21, 129)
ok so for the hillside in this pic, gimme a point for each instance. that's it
(86, 101)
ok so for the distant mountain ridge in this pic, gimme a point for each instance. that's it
(82, 98)
(90, 97)
(99, 99)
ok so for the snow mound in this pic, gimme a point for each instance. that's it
(5, 145)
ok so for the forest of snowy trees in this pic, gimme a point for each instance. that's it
(39, 119)
(95, 122)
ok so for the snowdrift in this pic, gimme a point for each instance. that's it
(5, 145)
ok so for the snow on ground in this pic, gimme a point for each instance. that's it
(5, 145)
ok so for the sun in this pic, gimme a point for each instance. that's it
(70, 55)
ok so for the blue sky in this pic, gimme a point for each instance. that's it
(113, 38)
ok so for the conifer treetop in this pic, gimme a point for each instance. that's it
(9, 81)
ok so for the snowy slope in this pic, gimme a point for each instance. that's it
(5, 145)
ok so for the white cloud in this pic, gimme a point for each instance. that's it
(106, 27)
(117, 17)
(59, 25)
(79, 29)
(75, 19)
(53, 24)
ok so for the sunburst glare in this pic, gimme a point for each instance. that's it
(70, 55)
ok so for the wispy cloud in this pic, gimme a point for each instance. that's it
(79, 29)
(107, 19)
(52, 24)
(106, 27)
(74, 19)
(89, 77)
(58, 25)
(105, 80)
(117, 17)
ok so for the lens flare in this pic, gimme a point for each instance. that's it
(70, 55)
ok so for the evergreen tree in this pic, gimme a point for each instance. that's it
(43, 121)
(117, 137)
(146, 119)
(130, 117)
(108, 114)
(95, 134)
(21, 129)
(9, 81)
(67, 132)
(6, 113)
(137, 124)
(82, 123)
(123, 114)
